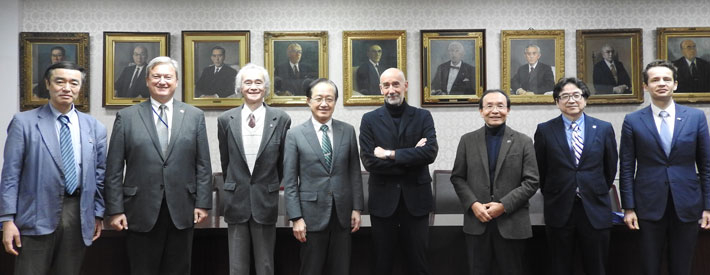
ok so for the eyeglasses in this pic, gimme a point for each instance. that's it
(157, 77)
(490, 108)
(256, 84)
(575, 96)
(387, 85)
(319, 100)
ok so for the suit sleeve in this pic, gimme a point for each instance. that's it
(541, 154)
(530, 181)
(367, 152)
(11, 170)
(459, 177)
(703, 159)
(611, 157)
(282, 146)
(203, 167)
(425, 155)
(222, 129)
(355, 174)
(290, 181)
(627, 156)
(115, 162)
(100, 159)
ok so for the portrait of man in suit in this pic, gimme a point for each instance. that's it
(56, 54)
(454, 77)
(130, 83)
(534, 77)
(610, 76)
(397, 144)
(161, 144)
(664, 175)
(251, 148)
(494, 175)
(217, 79)
(693, 71)
(52, 205)
(367, 77)
(323, 184)
(576, 159)
(291, 74)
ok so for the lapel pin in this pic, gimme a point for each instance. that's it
(508, 141)
(594, 126)
(271, 125)
(182, 111)
(679, 119)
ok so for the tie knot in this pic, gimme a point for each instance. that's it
(63, 119)
(663, 114)
(324, 128)
(574, 126)
(162, 107)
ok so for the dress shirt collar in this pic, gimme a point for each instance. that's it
(671, 110)
(608, 63)
(567, 122)
(73, 118)
(455, 65)
(373, 63)
(316, 125)
(259, 113)
(156, 104)
(689, 61)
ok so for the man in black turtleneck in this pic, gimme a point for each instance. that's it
(397, 143)
(495, 193)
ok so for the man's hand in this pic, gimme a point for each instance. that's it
(520, 91)
(632, 221)
(98, 226)
(10, 234)
(620, 89)
(705, 222)
(380, 153)
(480, 211)
(494, 209)
(421, 143)
(200, 215)
(299, 230)
(355, 221)
(119, 222)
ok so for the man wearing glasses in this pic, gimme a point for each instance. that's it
(576, 157)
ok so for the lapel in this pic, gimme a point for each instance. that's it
(680, 118)
(647, 119)
(533, 73)
(337, 139)
(479, 137)
(178, 117)
(270, 122)
(505, 144)
(87, 140)
(235, 124)
(590, 133)
(48, 130)
(445, 74)
(389, 125)
(560, 134)
(310, 134)
(145, 111)
(407, 116)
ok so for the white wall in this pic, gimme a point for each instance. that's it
(96, 17)
(10, 19)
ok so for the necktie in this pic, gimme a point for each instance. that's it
(614, 73)
(296, 73)
(577, 142)
(162, 127)
(666, 135)
(455, 67)
(377, 68)
(136, 73)
(252, 122)
(530, 69)
(67, 148)
(325, 145)
(216, 69)
(693, 69)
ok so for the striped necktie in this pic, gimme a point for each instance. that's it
(71, 181)
(577, 142)
(325, 145)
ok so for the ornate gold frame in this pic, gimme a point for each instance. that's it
(663, 36)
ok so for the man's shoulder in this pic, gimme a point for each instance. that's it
(373, 113)
(133, 109)
(277, 112)
(343, 124)
(189, 109)
(689, 110)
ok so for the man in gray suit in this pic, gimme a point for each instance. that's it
(167, 186)
(323, 184)
(495, 174)
(251, 145)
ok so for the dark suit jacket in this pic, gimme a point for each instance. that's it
(286, 80)
(367, 78)
(408, 173)
(252, 194)
(221, 83)
(124, 81)
(183, 175)
(32, 184)
(560, 177)
(515, 181)
(541, 80)
(465, 83)
(688, 84)
(310, 189)
(646, 173)
(604, 81)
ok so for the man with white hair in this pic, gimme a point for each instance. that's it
(534, 77)
(454, 77)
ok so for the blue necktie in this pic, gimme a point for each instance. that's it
(67, 148)
(666, 135)
(327, 148)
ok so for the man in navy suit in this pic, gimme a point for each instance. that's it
(51, 205)
(662, 195)
(368, 73)
(576, 157)
(130, 83)
(610, 76)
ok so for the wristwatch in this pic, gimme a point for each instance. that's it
(388, 153)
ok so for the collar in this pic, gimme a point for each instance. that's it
(316, 124)
(456, 65)
(373, 63)
(567, 122)
(156, 104)
(71, 114)
(258, 113)
(671, 109)
(608, 64)
(495, 131)
(533, 65)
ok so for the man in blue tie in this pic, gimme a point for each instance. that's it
(662, 193)
(51, 205)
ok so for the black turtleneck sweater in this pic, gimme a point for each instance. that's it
(396, 112)
(494, 136)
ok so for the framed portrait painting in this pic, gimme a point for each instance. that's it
(531, 63)
(610, 63)
(293, 60)
(38, 51)
(211, 61)
(126, 56)
(689, 50)
(453, 66)
(366, 54)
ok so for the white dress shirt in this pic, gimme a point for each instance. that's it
(319, 133)
(670, 120)
(168, 113)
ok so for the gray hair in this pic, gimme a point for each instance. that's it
(532, 46)
(455, 44)
(252, 67)
(160, 60)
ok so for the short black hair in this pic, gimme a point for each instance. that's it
(224, 52)
(313, 83)
(60, 48)
(507, 98)
(660, 63)
(570, 80)
(64, 65)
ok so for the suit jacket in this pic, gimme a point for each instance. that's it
(560, 177)
(604, 81)
(689, 84)
(252, 194)
(310, 189)
(368, 79)
(140, 88)
(221, 83)
(183, 175)
(646, 173)
(515, 181)
(32, 184)
(539, 81)
(286, 80)
(464, 84)
(408, 173)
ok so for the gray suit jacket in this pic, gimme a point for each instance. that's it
(252, 194)
(310, 188)
(516, 180)
(184, 174)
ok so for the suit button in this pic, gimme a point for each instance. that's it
(165, 166)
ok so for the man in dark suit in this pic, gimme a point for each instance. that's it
(368, 73)
(576, 157)
(57, 54)
(162, 143)
(323, 184)
(52, 205)
(494, 175)
(454, 77)
(610, 76)
(535, 77)
(130, 83)
(217, 79)
(693, 71)
(251, 145)
(397, 144)
(663, 197)
(290, 75)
